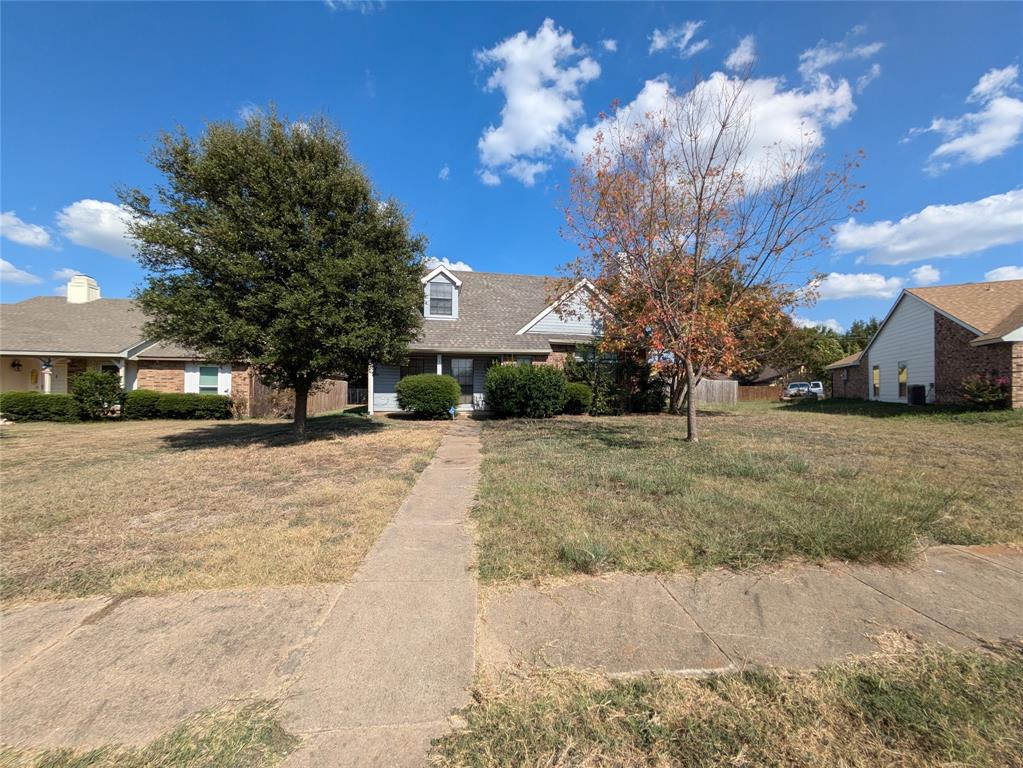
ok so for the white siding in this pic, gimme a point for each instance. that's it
(578, 322)
(385, 379)
(908, 337)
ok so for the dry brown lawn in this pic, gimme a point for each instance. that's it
(164, 506)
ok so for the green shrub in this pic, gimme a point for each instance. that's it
(428, 395)
(35, 406)
(578, 397)
(533, 391)
(986, 392)
(99, 393)
(187, 405)
(141, 404)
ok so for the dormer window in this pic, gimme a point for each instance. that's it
(440, 294)
(441, 298)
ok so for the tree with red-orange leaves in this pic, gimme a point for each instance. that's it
(692, 233)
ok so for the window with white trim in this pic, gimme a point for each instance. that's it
(209, 378)
(441, 299)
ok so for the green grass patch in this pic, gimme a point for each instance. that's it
(766, 483)
(914, 707)
(250, 737)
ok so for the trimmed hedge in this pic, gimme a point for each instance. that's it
(99, 394)
(141, 404)
(533, 391)
(578, 397)
(36, 406)
(428, 395)
(147, 404)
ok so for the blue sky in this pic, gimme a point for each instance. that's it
(469, 114)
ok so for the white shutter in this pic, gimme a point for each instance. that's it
(191, 377)
(224, 380)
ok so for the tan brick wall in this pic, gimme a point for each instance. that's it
(955, 359)
(241, 390)
(850, 382)
(556, 357)
(162, 375)
(1017, 375)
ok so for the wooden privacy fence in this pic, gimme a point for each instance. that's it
(715, 391)
(331, 395)
(758, 393)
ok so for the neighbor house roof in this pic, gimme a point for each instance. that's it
(845, 362)
(492, 307)
(993, 310)
(49, 324)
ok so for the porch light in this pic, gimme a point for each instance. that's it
(16, 365)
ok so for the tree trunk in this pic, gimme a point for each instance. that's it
(301, 405)
(676, 392)
(691, 434)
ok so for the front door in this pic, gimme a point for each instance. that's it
(461, 370)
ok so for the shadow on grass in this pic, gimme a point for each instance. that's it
(874, 409)
(271, 434)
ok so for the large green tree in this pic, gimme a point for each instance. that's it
(267, 244)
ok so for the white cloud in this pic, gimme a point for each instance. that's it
(365, 7)
(60, 290)
(868, 77)
(64, 274)
(1014, 272)
(925, 274)
(540, 76)
(489, 178)
(445, 173)
(831, 324)
(938, 231)
(680, 38)
(454, 266)
(249, 111)
(610, 45)
(860, 285)
(18, 231)
(99, 225)
(11, 274)
(744, 55)
(978, 136)
(813, 61)
(779, 117)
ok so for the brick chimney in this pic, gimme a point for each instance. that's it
(82, 289)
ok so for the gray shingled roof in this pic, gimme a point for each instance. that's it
(491, 308)
(51, 324)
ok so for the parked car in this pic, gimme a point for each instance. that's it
(798, 390)
(817, 387)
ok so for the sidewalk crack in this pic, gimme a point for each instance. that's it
(728, 657)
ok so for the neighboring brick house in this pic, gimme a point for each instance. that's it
(46, 341)
(472, 320)
(936, 337)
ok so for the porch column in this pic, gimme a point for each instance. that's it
(120, 370)
(369, 390)
(440, 364)
(47, 369)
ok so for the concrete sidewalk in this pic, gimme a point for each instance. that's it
(394, 658)
(798, 616)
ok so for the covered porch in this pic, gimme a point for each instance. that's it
(52, 373)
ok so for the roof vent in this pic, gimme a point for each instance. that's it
(81, 289)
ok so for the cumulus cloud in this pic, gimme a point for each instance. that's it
(1014, 272)
(445, 173)
(540, 76)
(938, 231)
(860, 285)
(64, 274)
(610, 45)
(365, 7)
(744, 54)
(814, 61)
(830, 324)
(681, 38)
(925, 274)
(18, 231)
(11, 274)
(99, 225)
(779, 117)
(454, 266)
(982, 135)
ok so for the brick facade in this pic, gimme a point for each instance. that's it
(241, 390)
(850, 381)
(955, 359)
(557, 356)
(161, 375)
(1017, 375)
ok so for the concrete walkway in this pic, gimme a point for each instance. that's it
(797, 617)
(394, 657)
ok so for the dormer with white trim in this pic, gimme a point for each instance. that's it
(440, 294)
